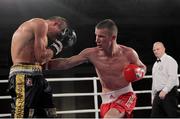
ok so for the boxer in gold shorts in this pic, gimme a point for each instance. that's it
(30, 92)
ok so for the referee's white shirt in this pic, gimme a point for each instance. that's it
(164, 75)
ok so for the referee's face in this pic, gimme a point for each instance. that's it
(158, 50)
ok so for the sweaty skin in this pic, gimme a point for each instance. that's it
(29, 51)
(108, 58)
(108, 68)
(29, 43)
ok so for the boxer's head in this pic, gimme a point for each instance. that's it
(106, 33)
(108, 24)
(56, 25)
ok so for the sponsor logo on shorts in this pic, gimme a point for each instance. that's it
(20, 98)
(112, 97)
(130, 100)
(29, 82)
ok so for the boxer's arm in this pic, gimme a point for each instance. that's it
(42, 54)
(135, 60)
(136, 70)
(66, 63)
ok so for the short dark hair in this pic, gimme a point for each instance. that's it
(109, 24)
(59, 19)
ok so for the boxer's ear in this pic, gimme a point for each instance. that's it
(113, 37)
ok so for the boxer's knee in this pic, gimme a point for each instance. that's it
(114, 113)
(31, 113)
(41, 113)
(51, 112)
(12, 110)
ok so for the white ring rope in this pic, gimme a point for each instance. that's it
(95, 94)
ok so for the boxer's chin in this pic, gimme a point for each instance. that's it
(100, 47)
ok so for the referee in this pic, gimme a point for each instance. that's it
(165, 83)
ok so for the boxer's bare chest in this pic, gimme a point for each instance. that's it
(114, 64)
(110, 69)
(23, 45)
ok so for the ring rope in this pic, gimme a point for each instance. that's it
(95, 94)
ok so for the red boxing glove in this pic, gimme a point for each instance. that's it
(133, 73)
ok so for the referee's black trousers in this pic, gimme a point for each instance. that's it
(166, 107)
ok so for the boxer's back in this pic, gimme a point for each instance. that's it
(22, 46)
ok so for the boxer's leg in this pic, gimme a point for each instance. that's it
(114, 113)
(45, 106)
(122, 107)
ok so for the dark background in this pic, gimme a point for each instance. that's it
(140, 23)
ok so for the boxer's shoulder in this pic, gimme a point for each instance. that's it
(87, 51)
(126, 51)
(36, 20)
(32, 24)
(36, 23)
(125, 48)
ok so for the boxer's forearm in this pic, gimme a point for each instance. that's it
(46, 56)
(58, 64)
(66, 63)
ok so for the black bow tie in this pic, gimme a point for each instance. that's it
(158, 60)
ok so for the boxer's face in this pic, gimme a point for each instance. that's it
(103, 38)
(55, 28)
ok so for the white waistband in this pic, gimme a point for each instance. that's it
(113, 95)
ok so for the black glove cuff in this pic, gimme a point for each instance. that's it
(53, 49)
(56, 47)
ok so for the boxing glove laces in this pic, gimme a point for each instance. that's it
(65, 39)
(133, 73)
(68, 37)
